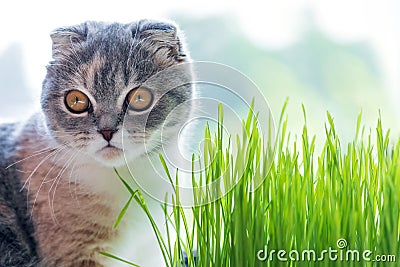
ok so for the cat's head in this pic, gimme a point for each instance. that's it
(113, 86)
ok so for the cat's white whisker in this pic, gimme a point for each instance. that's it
(57, 180)
(40, 163)
(53, 154)
(31, 156)
(44, 179)
(21, 171)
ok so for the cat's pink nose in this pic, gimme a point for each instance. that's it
(107, 134)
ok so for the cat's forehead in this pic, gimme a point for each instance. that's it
(108, 28)
(113, 61)
(105, 78)
(110, 37)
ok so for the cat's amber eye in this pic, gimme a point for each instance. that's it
(139, 99)
(77, 102)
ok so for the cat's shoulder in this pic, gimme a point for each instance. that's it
(7, 140)
(9, 176)
(6, 129)
(7, 148)
(13, 133)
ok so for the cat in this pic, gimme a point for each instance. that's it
(109, 90)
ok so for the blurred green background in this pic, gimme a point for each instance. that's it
(342, 78)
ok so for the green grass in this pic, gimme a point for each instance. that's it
(288, 197)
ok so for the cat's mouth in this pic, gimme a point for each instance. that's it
(110, 152)
(110, 148)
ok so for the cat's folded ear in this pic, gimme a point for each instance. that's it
(65, 40)
(163, 35)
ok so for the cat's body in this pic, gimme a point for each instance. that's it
(59, 165)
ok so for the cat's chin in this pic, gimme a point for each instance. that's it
(110, 156)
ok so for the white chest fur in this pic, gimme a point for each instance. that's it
(135, 240)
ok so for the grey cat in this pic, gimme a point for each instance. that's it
(108, 91)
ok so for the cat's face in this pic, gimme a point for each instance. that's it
(111, 87)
